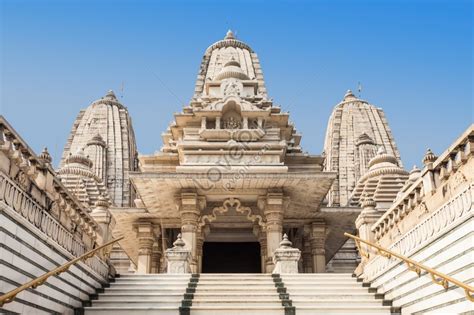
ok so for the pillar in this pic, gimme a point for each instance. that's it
(190, 211)
(146, 240)
(102, 216)
(156, 258)
(263, 251)
(307, 255)
(199, 245)
(273, 212)
(318, 240)
(364, 222)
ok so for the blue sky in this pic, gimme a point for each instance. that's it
(413, 58)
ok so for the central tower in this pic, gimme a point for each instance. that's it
(231, 176)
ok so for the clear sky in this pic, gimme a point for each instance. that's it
(413, 58)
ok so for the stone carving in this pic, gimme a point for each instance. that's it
(229, 203)
(16, 198)
(178, 257)
(232, 87)
(286, 258)
(231, 123)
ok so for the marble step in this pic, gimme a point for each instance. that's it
(335, 302)
(158, 290)
(298, 296)
(136, 303)
(107, 296)
(131, 310)
(235, 298)
(242, 310)
(344, 310)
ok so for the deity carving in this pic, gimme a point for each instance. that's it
(231, 123)
(232, 87)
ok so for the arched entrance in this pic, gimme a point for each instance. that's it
(230, 241)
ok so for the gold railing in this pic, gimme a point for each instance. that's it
(436, 276)
(9, 296)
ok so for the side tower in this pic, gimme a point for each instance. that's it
(104, 132)
(356, 129)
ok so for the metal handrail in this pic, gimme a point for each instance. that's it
(9, 296)
(436, 276)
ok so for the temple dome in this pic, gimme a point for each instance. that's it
(355, 130)
(232, 69)
(382, 182)
(104, 132)
(80, 159)
(229, 58)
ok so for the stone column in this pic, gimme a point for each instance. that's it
(318, 240)
(364, 222)
(102, 216)
(273, 212)
(286, 258)
(145, 246)
(156, 258)
(190, 211)
(263, 251)
(178, 257)
(307, 255)
(199, 245)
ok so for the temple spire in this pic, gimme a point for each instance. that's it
(229, 35)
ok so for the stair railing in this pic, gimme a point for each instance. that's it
(10, 296)
(436, 276)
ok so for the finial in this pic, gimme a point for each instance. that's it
(349, 95)
(285, 243)
(429, 157)
(414, 173)
(414, 169)
(179, 241)
(101, 202)
(368, 202)
(111, 94)
(45, 156)
(229, 35)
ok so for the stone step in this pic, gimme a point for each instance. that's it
(237, 304)
(329, 296)
(236, 298)
(136, 303)
(107, 296)
(324, 285)
(335, 302)
(344, 310)
(318, 289)
(159, 290)
(236, 283)
(241, 310)
(131, 310)
(241, 289)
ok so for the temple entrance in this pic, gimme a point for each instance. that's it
(231, 257)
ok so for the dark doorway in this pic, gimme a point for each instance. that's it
(223, 257)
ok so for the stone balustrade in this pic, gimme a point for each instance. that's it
(455, 211)
(436, 178)
(29, 186)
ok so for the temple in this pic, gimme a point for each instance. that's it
(230, 211)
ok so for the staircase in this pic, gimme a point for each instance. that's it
(237, 294)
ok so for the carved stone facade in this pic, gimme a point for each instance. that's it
(231, 170)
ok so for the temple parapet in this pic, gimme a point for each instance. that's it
(430, 222)
(43, 225)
